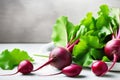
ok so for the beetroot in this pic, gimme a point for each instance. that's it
(112, 50)
(99, 68)
(72, 70)
(113, 47)
(60, 57)
(24, 67)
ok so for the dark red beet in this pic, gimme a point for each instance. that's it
(112, 51)
(62, 57)
(25, 67)
(99, 68)
(112, 47)
(72, 70)
(59, 57)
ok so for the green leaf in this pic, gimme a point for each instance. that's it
(88, 21)
(104, 10)
(73, 34)
(10, 59)
(104, 18)
(82, 30)
(84, 55)
(80, 49)
(61, 31)
(92, 41)
(96, 54)
(20, 55)
(85, 60)
(108, 17)
(103, 33)
(6, 60)
(115, 18)
(105, 59)
(102, 21)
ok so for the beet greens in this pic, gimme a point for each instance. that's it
(93, 33)
(91, 39)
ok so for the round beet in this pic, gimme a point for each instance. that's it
(112, 51)
(25, 67)
(62, 57)
(112, 47)
(59, 57)
(99, 68)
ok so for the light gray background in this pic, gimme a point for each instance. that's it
(32, 20)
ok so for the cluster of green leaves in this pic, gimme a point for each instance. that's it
(10, 59)
(62, 31)
(93, 33)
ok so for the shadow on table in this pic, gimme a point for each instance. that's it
(31, 74)
(80, 76)
(108, 76)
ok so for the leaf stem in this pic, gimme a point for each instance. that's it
(118, 34)
(41, 55)
(9, 74)
(70, 48)
(52, 74)
(114, 61)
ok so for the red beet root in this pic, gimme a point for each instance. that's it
(59, 57)
(72, 70)
(112, 51)
(62, 57)
(25, 67)
(99, 68)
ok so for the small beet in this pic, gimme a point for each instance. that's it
(24, 67)
(72, 71)
(99, 68)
